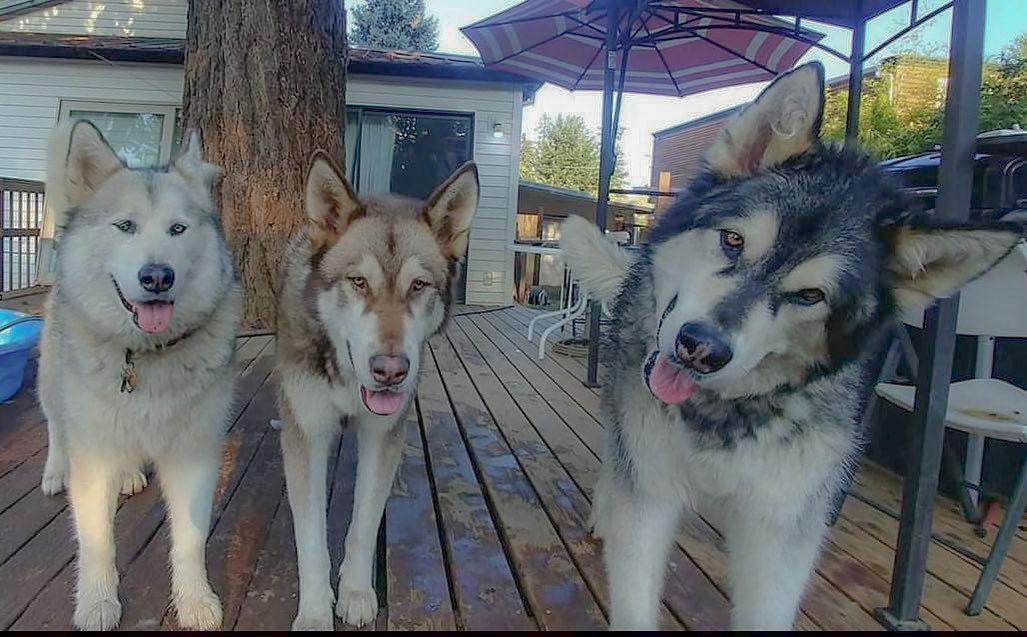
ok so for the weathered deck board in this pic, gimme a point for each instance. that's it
(553, 586)
(487, 593)
(417, 582)
(486, 527)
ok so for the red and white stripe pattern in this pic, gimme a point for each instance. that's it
(562, 42)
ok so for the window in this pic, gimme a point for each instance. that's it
(404, 152)
(141, 134)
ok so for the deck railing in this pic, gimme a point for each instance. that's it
(21, 220)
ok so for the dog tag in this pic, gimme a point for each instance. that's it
(128, 374)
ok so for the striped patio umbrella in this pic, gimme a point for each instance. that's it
(674, 47)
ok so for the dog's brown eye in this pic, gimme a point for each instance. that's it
(810, 296)
(418, 285)
(731, 240)
(358, 282)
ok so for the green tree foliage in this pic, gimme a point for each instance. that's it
(1004, 88)
(565, 153)
(394, 24)
(901, 109)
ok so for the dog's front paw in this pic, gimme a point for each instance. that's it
(314, 621)
(99, 613)
(357, 607)
(54, 481)
(133, 482)
(199, 611)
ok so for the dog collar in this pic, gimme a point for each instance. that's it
(128, 369)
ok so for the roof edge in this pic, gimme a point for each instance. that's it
(579, 194)
(369, 61)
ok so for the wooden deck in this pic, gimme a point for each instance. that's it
(486, 526)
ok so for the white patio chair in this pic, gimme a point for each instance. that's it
(994, 305)
(575, 310)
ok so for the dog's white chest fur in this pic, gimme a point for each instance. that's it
(773, 468)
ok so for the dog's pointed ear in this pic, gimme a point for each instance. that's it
(783, 122)
(329, 201)
(89, 162)
(930, 262)
(192, 167)
(452, 207)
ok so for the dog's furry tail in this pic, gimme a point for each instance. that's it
(597, 263)
(56, 168)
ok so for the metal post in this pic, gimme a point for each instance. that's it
(855, 81)
(954, 183)
(606, 160)
(973, 465)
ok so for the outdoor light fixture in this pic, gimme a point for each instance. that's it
(497, 130)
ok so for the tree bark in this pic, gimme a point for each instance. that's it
(265, 83)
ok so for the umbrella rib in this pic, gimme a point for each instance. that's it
(540, 43)
(670, 74)
(691, 32)
(585, 70)
(735, 53)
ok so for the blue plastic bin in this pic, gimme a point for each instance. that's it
(19, 333)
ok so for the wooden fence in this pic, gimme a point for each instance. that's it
(21, 219)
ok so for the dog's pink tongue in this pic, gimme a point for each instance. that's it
(382, 403)
(153, 318)
(669, 384)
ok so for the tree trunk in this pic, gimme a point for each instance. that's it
(265, 83)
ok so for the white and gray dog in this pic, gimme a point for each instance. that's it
(744, 341)
(136, 356)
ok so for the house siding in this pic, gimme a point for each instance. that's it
(31, 91)
(126, 18)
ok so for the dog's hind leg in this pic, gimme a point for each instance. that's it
(770, 563)
(188, 478)
(306, 476)
(637, 536)
(378, 458)
(93, 491)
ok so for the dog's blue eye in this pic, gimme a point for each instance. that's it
(178, 228)
(126, 225)
(731, 242)
(810, 296)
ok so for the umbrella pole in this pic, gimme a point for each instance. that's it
(855, 83)
(955, 176)
(606, 159)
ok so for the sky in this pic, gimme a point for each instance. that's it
(642, 115)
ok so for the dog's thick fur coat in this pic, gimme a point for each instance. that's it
(117, 396)
(791, 258)
(367, 279)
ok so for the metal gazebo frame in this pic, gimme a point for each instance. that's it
(958, 142)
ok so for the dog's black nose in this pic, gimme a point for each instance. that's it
(156, 277)
(389, 370)
(702, 348)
